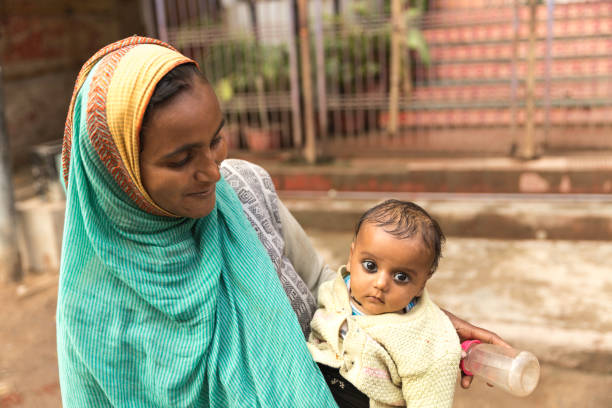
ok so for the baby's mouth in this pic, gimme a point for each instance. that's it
(375, 299)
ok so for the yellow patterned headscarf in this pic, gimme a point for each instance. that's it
(119, 94)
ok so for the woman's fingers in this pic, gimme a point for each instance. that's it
(485, 336)
(466, 381)
(468, 331)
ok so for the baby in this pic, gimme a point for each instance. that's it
(376, 331)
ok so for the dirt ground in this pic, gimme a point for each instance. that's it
(28, 362)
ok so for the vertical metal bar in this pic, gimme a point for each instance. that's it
(384, 68)
(10, 267)
(147, 16)
(310, 148)
(514, 79)
(193, 14)
(183, 16)
(244, 107)
(348, 91)
(203, 9)
(528, 148)
(162, 24)
(320, 73)
(358, 83)
(335, 85)
(172, 19)
(294, 80)
(550, 10)
(369, 83)
(396, 28)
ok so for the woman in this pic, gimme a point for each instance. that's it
(181, 277)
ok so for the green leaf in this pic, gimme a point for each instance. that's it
(224, 90)
(413, 14)
(416, 41)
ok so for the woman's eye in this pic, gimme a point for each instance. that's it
(369, 266)
(180, 163)
(401, 277)
(216, 140)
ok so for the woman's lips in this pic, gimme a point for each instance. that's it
(202, 194)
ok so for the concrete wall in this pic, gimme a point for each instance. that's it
(43, 44)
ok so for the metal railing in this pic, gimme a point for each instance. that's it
(486, 79)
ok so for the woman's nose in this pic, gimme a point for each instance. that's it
(208, 171)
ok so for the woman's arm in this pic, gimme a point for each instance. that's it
(307, 262)
(467, 331)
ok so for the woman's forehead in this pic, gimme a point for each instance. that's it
(192, 116)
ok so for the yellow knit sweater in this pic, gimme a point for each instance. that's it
(409, 359)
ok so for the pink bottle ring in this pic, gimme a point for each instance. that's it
(465, 346)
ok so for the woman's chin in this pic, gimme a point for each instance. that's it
(197, 207)
(205, 209)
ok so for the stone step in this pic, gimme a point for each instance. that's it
(589, 173)
(471, 216)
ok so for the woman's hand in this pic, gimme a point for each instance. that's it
(467, 331)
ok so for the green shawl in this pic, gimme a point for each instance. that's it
(157, 311)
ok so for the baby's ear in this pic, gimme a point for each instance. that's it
(424, 284)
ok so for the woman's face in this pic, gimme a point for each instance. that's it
(182, 150)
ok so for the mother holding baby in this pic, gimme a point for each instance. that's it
(184, 280)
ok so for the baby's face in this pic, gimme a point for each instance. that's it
(387, 272)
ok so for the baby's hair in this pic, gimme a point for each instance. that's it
(404, 219)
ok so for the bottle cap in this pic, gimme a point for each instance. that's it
(465, 346)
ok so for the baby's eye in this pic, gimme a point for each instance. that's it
(401, 277)
(369, 266)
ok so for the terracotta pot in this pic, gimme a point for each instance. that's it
(261, 140)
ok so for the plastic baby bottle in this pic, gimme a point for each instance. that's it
(513, 370)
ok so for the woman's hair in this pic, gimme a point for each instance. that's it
(404, 219)
(173, 83)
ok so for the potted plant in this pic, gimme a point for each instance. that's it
(260, 67)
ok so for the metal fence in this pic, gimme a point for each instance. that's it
(473, 77)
